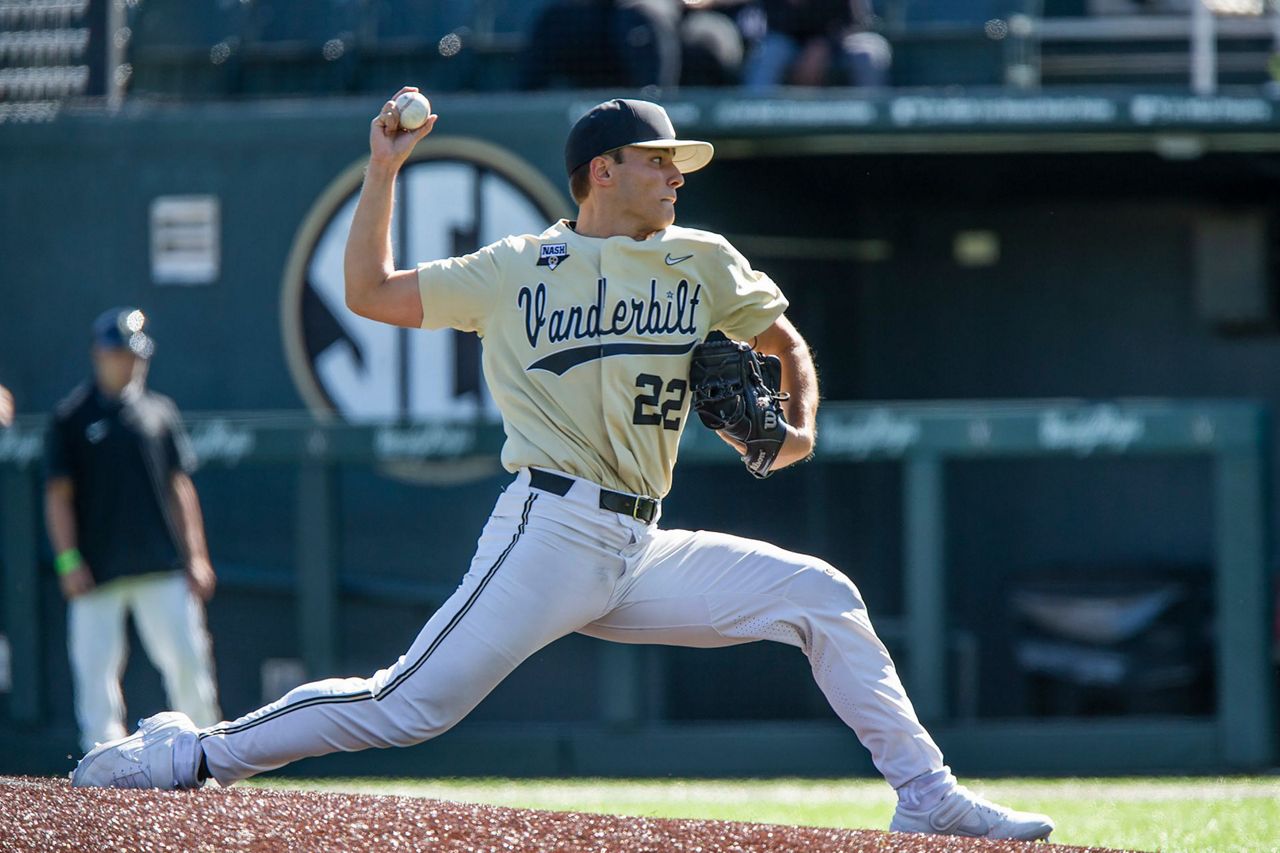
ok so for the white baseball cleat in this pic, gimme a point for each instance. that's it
(963, 812)
(163, 753)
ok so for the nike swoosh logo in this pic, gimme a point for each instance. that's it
(673, 261)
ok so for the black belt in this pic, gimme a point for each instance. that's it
(636, 506)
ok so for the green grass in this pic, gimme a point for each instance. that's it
(1176, 815)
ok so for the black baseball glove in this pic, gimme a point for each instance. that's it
(735, 392)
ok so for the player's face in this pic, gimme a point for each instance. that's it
(647, 181)
(116, 368)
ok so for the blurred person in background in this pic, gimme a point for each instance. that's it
(587, 44)
(6, 407)
(813, 42)
(125, 525)
(712, 37)
(602, 43)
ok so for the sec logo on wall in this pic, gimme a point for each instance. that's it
(453, 196)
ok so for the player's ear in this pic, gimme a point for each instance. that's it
(602, 170)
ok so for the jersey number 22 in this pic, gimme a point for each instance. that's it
(668, 414)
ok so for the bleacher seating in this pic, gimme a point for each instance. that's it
(296, 47)
(1148, 49)
(318, 47)
(185, 48)
(258, 48)
(950, 42)
(45, 55)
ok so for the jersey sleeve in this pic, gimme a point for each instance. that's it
(460, 293)
(180, 455)
(750, 303)
(57, 449)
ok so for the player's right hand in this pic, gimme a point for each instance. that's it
(201, 578)
(388, 143)
(77, 583)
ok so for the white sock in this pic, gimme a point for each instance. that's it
(186, 759)
(924, 792)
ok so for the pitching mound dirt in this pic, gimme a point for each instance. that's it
(49, 815)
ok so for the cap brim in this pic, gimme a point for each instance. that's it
(142, 345)
(690, 154)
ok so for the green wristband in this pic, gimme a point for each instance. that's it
(68, 561)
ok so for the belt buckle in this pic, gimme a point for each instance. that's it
(635, 507)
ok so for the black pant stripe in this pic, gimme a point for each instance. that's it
(453, 623)
(365, 695)
(361, 696)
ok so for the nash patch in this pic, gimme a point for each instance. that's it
(553, 254)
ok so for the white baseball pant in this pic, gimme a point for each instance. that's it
(549, 565)
(170, 622)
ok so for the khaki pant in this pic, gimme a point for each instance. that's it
(170, 622)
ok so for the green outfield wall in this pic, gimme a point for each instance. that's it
(1091, 246)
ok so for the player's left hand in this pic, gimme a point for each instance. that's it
(789, 454)
(201, 578)
(388, 143)
(735, 392)
(77, 583)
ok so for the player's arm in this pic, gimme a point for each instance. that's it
(800, 380)
(184, 507)
(60, 520)
(374, 288)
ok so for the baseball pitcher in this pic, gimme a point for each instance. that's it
(600, 335)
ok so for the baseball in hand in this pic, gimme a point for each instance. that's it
(414, 109)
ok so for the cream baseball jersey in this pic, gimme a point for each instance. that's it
(587, 340)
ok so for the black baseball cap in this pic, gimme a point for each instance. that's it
(123, 328)
(622, 122)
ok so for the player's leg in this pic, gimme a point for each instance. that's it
(171, 625)
(767, 63)
(709, 589)
(866, 58)
(536, 576)
(97, 646)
